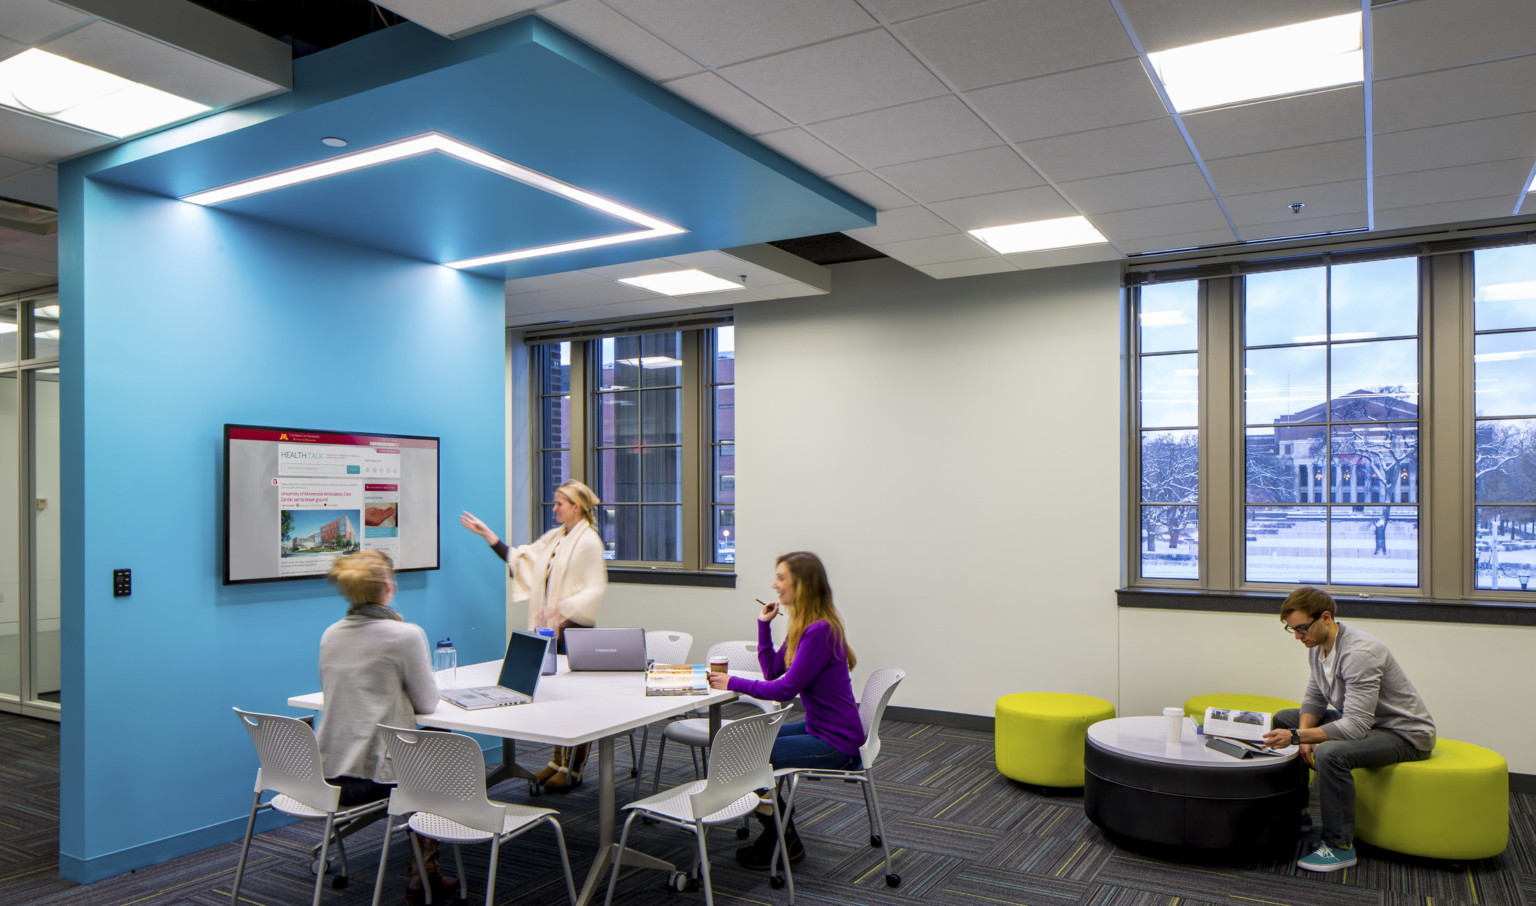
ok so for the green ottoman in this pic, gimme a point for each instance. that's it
(1452, 805)
(1040, 735)
(1194, 709)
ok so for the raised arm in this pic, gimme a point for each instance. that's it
(468, 520)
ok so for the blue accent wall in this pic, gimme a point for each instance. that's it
(177, 319)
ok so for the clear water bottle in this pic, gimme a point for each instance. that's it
(548, 635)
(445, 664)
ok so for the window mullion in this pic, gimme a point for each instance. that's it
(1447, 326)
(1221, 428)
(692, 436)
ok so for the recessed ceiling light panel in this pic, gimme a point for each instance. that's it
(1061, 233)
(681, 283)
(434, 142)
(61, 89)
(1290, 59)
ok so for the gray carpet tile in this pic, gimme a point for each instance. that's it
(960, 834)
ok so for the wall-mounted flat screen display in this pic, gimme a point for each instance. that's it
(296, 498)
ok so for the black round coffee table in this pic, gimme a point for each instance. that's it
(1185, 800)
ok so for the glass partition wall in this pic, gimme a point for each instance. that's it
(29, 503)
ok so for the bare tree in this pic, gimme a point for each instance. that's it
(1170, 476)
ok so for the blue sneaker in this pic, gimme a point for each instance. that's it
(1328, 858)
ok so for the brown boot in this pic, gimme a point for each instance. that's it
(556, 762)
(443, 887)
(570, 772)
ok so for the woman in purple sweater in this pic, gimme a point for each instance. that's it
(814, 663)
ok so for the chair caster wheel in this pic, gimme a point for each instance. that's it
(316, 867)
(742, 833)
(633, 772)
(875, 840)
(535, 790)
(339, 883)
(776, 882)
(893, 880)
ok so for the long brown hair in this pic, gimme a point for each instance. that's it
(812, 602)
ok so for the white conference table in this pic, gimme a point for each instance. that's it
(568, 709)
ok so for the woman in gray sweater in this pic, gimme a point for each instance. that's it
(374, 669)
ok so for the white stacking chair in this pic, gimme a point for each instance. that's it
(440, 784)
(738, 770)
(877, 693)
(662, 646)
(694, 731)
(290, 767)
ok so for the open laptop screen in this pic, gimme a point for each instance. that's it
(520, 668)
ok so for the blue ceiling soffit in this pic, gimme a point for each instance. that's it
(525, 93)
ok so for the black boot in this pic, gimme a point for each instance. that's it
(758, 854)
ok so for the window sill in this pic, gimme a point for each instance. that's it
(1373, 608)
(622, 575)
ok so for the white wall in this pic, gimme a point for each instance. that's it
(953, 450)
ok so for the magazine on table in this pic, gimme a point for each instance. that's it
(1233, 723)
(677, 679)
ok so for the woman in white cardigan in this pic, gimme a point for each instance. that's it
(563, 578)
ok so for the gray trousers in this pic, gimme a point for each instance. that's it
(1336, 758)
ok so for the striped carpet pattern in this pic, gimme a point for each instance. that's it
(960, 832)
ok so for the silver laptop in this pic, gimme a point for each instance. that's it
(605, 649)
(517, 682)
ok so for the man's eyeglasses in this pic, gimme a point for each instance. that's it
(1303, 628)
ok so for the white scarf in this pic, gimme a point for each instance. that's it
(539, 571)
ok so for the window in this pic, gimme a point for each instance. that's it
(1373, 414)
(647, 420)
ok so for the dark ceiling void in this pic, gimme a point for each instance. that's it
(828, 248)
(307, 25)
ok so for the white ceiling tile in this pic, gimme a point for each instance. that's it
(721, 32)
(39, 141)
(1305, 226)
(995, 169)
(1101, 152)
(9, 48)
(599, 25)
(133, 56)
(808, 151)
(1016, 206)
(10, 167)
(1165, 24)
(701, 260)
(1005, 40)
(39, 186)
(897, 135)
(899, 10)
(1324, 116)
(1143, 189)
(33, 21)
(1274, 206)
(43, 262)
(1111, 94)
(1499, 138)
(1176, 241)
(460, 17)
(1445, 212)
(1530, 204)
(850, 75)
(902, 223)
(727, 102)
(21, 281)
(1189, 217)
(1304, 166)
(1418, 37)
(1081, 254)
(1453, 95)
(1506, 177)
(872, 189)
(973, 267)
(549, 281)
(935, 249)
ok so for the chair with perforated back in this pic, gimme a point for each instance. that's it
(440, 784)
(662, 646)
(290, 767)
(738, 771)
(694, 731)
(877, 694)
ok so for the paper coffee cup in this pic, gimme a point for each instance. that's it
(1173, 718)
(719, 664)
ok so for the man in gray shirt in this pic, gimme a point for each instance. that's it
(1359, 711)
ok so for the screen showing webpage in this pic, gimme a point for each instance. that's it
(296, 500)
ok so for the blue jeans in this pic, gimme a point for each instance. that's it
(796, 748)
(1336, 759)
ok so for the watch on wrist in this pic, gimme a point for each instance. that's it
(1295, 737)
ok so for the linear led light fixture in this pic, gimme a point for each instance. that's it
(681, 283)
(428, 142)
(1061, 233)
(1289, 59)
